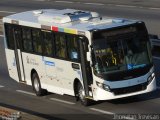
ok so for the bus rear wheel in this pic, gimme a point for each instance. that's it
(37, 85)
(82, 97)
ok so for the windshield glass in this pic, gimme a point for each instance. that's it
(121, 49)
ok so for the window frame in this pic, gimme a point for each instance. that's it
(30, 29)
(61, 34)
(43, 45)
(8, 37)
(40, 40)
(78, 47)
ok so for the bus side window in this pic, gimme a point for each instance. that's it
(72, 47)
(37, 44)
(60, 43)
(17, 35)
(27, 40)
(48, 43)
(9, 36)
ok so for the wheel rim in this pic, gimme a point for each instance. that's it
(81, 94)
(36, 84)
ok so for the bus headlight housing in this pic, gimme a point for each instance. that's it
(151, 77)
(103, 86)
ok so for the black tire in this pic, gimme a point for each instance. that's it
(37, 85)
(81, 95)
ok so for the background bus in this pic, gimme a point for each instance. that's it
(79, 53)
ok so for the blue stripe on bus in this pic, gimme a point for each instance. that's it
(49, 63)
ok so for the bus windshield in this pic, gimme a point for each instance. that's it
(121, 49)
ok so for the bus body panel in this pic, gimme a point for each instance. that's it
(11, 63)
(66, 75)
(55, 75)
(33, 62)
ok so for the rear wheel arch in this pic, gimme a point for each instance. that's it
(33, 71)
(36, 84)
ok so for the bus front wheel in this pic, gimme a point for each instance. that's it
(36, 84)
(82, 97)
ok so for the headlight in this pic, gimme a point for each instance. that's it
(151, 77)
(103, 86)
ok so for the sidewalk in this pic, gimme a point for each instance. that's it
(10, 114)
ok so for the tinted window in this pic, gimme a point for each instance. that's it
(9, 36)
(27, 40)
(17, 36)
(72, 45)
(48, 43)
(60, 46)
(36, 38)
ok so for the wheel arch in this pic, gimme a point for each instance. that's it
(75, 86)
(32, 72)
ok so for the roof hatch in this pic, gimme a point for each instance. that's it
(59, 17)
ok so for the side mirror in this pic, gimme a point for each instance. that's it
(155, 43)
(151, 36)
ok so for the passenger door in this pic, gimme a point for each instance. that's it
(13, 53)
(18, 53)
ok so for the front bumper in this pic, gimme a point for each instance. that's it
(101, 94)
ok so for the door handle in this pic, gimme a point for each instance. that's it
(75, 66)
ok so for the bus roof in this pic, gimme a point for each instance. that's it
(66, 20)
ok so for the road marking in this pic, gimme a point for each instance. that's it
(109, 113)
(39, 0)
(141, 7)
(25, 92)
(102, 111)
(126, 6)
(1, 86)
(93, 3)
(1, 35)
(6, 12)
(110, 4)
(63, 2)
(154, 8)
(63, 101)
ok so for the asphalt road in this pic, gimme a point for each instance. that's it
(52, 106)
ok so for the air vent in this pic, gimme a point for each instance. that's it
(69, 16)
(99, 22)
(118, 20)
(82, 15)
(38, 12)
(55, 18)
